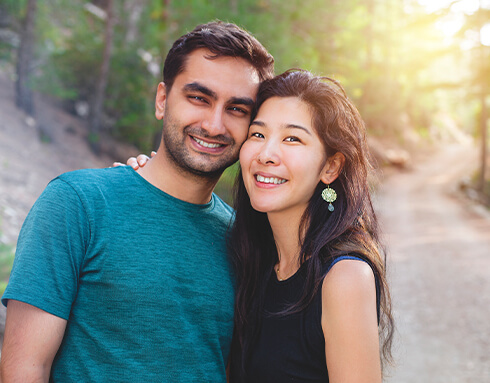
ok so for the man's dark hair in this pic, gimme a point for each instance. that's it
(221, 39)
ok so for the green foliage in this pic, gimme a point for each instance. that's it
(15, 8)
(6, 262)
(130, 100)
(225, 185)
(69, 73)
(387, 54)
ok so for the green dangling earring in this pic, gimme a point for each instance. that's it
(329, 195)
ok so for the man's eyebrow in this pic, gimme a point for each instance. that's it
(242, 101)
(196, 87)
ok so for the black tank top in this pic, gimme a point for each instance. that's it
(290, 348)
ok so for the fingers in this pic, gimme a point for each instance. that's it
(132, 161)
(136, 162)
(142, 159)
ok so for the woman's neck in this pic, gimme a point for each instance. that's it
(285, 228)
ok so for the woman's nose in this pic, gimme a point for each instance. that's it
(268, 155)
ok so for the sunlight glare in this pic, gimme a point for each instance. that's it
(463, 6)
(485, 35)
(434, 5)
(450, 24)
(466, 6)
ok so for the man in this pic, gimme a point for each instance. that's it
(91, 299)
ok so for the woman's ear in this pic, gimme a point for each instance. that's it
(160, 99)
(332, 168)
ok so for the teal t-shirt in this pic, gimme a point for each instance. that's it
(142, 278)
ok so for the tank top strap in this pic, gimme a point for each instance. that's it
(376, 279)
(342, 257)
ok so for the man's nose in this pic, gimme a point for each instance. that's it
(213, 123)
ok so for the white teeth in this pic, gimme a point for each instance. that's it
(270, 180)
(206, 144)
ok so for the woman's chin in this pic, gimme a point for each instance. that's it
(260, 207)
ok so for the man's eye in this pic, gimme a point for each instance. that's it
(238, 110)
(197, 98)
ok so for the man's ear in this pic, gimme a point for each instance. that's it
(332, 168)
(160, 99)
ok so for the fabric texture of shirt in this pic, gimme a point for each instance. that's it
(142, 278)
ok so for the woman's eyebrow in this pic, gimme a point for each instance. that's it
(294, 126)
(257, 122)
(284, 126)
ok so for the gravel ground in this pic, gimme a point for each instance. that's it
(439, 263)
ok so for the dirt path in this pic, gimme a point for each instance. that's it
(439, 249)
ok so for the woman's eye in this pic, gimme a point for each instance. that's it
(292, 139)
(257, 135)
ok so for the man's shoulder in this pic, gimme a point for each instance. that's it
(86, 178)
(89, 184)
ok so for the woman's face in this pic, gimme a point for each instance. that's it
(283, 158)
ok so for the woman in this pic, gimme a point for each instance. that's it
(312, 299)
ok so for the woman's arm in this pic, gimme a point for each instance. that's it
(349, 323)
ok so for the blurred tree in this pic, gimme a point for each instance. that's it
(98, 103)
(387, 54)
(483, 78)
(24, 98)
(132, 14)
(479, 79)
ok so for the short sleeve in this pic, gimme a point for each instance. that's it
(50, 251)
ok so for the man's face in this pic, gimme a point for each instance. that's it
(206, 114)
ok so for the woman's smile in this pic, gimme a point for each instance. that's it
(283, 158)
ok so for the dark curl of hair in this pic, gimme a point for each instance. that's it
(221, 39)
(351, 228)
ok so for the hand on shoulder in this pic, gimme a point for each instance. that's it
(136, 162)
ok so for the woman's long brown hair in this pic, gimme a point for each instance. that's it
(352, 228)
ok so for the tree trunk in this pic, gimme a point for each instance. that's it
(484, 145)
(484, 111)
(234, 7)
(99, 97)
(133, 10)
(366, 96)
(166, 10)
(24, 99)
(483, 123)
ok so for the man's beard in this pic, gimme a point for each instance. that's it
(195, 163)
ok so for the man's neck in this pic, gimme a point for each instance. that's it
(166, 176)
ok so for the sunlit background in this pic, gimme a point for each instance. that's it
(395, 57)
(418, 70)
